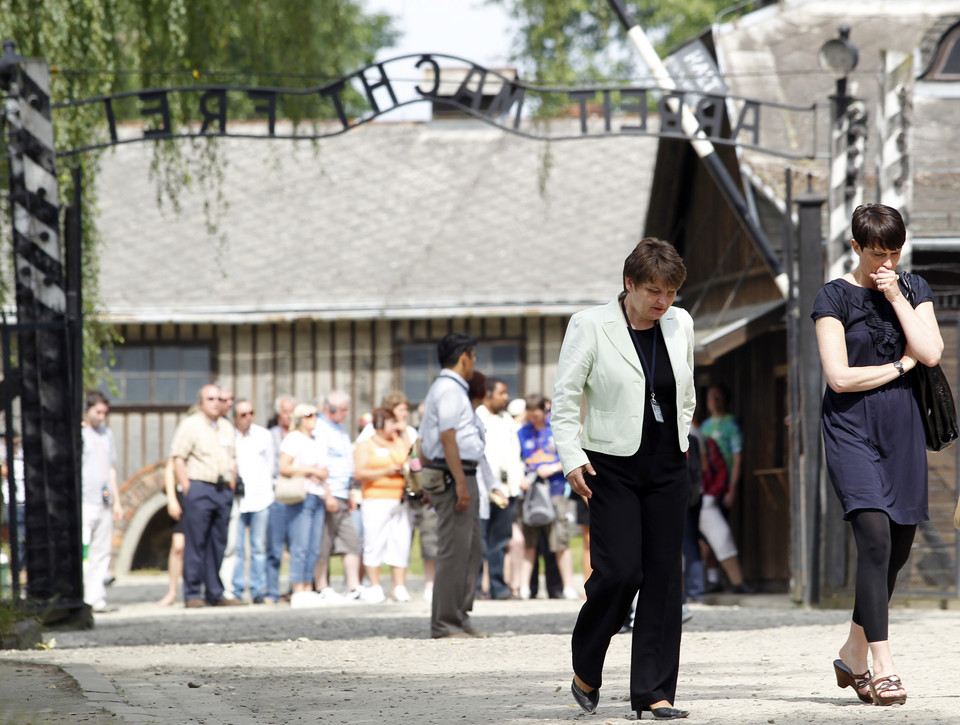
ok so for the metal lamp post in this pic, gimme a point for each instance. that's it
(839, 57)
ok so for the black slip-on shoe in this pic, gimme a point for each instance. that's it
(587, 700)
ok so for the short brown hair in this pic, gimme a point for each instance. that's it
(535, 401)
(95, 397)
(877, 226)
(380, 416)
(394, 398)
(478, 386)
(654, 260)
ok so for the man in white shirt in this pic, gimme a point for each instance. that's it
(453, 444)
(502, 451)
(101, 499)
(255, 462)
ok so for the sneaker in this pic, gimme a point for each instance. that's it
(373, 595)
(524, 592)
(353, 595)
(329, 595)
(571, 593)
(401, 594)
(304, 600)
(428, 593)
(686, 614)
(744, 588)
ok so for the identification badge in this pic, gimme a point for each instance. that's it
(657, 413)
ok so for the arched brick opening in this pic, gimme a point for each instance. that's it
(142, 538)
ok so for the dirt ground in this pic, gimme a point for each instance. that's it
(748, 660)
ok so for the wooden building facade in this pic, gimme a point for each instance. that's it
(308, 358)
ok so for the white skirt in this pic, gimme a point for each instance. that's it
(387, 532)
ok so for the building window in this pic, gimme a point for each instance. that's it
(946, 62)
(159, 374)
(419, 366)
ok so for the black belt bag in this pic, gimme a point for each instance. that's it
(432, 483)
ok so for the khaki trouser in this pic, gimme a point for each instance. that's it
(460, 552)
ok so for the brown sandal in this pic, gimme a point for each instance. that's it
(846, 678)
(889, 683)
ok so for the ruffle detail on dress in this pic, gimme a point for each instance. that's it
(885, 335)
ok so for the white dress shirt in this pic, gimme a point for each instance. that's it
(255, 462)
(447, 406)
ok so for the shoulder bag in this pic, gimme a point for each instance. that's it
(932, 391)
(290, 489)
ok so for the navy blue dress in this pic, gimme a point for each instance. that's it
(873, 440)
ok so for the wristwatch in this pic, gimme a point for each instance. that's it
(899, 366)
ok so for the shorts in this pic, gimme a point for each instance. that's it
(558, 532)
(177, 526)
(339, 534)
(425, 519)
(715, 530)
(583, 511)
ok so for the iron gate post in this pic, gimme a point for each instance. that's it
(50, 421)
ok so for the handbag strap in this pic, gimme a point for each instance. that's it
(907, 277)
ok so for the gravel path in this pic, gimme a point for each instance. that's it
(764, 662)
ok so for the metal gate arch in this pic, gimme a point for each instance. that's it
(41, 274)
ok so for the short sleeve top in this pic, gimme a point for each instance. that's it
(871, 327)
(306, 452)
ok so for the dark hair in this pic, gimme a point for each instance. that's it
(478, 386)
(654, 260)
(381, 416)
(95, 397)
(492, 384)
(452, 346)
(877, 226)
(536, 402)
(724, 393)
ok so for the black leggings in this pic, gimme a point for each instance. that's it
(882, 549)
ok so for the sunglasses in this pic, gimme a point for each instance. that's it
(310, 415)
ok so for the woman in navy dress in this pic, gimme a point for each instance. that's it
(870, 339)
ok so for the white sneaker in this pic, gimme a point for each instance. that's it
(304, 600)
(373, 595)
(401, 594)
(428, 593)
(686, 614)
(354, 595)
(524, 592)
(330, 596)
(571, 593)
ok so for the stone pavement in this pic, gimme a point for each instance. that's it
(744, 660)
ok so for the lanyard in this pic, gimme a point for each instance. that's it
(649, 369)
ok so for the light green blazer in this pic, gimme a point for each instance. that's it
(599, 364)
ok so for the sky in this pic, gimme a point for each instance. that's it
(469, 29)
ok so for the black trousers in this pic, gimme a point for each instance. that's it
(637, 516)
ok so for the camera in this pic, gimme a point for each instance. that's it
(238, 490)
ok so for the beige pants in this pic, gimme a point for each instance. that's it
(460, 551)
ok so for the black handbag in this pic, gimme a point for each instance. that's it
(932, 391)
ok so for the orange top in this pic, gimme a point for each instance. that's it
(380, 456)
